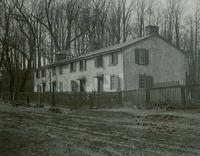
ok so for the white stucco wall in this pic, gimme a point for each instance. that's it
(89, 74)
(166, 63)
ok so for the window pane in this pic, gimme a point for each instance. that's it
(141, 81)
(142, 56)
(99, 61)
(81, 65)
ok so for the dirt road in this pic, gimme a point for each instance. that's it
(117, 132)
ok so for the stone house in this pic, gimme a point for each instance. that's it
(141, 63)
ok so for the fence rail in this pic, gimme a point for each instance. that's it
(179, 96)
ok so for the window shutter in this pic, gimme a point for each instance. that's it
(110, 59)
(95, 61)
(146, 57)
(136, 56)
(74, 66)
(142, 80)
(118, 83)
(85, 64)
(102, 61)
(116, 58)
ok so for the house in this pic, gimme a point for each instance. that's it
(141, 63)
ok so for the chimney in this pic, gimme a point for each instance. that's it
(151, 29)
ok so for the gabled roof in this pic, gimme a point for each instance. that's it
(111, 49)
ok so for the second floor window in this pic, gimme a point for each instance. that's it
(142, 56)
(73, 67)
(99, 61)
(114, 59)
(54, 71)
(43, 73)
(60, 70)
(82, 65)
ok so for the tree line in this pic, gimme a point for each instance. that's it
(32, 32)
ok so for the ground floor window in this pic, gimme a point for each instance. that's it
(145, 81)
(74, 86)
(38, 88)
(115, 82)
(61, 86)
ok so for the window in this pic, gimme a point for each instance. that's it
(54, 71)
(38, 74)
(141, 56)
(73, 67)
(61, 86)
(74, 86)
(43, 87)
(115, 82)
(114, 59)
(43, 73)
(145, 81)
(60, 70)
(82, 65)
(99, 61)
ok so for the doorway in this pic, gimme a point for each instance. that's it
(100, 84)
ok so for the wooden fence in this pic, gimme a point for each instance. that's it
(71, 100)
(179, 96)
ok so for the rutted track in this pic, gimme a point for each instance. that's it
(83, 134)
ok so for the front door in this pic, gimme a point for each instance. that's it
(100, 84)
(82, 85)
(43, 87)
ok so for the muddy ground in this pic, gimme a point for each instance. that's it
(26, 131)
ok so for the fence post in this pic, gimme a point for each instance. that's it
(183, 100)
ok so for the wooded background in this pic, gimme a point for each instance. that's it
(32, 32)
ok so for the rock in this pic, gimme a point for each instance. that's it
(54, 110)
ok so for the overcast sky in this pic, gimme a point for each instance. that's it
(189, 6)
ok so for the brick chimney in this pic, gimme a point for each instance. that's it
(151, 29)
